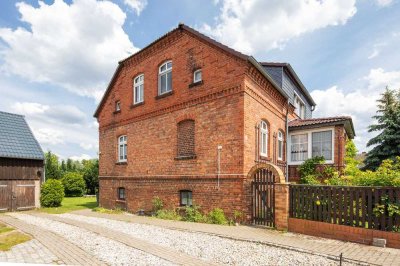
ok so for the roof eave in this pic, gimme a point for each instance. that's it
(257, 65)
(348, 126)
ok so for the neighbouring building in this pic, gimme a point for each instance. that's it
(186, 118)
(21, 164)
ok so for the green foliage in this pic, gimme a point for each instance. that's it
(308, 170)
(52, 193)
(217, 216)
(193, 214)
(387, 174)
(387, 142)
(168, 215)
(237, 216)
(158, 204)
(74, 184)
(52, 169)
(72, 204)
(91, 175)
(350, 160)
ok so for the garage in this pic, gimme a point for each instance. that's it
(21, 165)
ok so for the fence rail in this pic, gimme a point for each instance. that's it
(367, 207)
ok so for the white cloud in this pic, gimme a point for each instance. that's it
(377, 49)
(81, 157)
(30, 108)
(360, 104)
(136, 5)
(49, 135)
(75, 46)
(257, 25)
(86, 146)
(383, 3)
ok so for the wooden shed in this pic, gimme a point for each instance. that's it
(21, 164)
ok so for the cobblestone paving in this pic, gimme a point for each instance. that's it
(312, 245)
(31, 251)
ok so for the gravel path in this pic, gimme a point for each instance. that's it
(210, 248)
(109, 251)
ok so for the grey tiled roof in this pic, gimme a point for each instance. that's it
(16, 138)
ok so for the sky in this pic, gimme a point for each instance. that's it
(57, 57)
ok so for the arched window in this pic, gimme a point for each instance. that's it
(138, 89)
(264, 139)
(122, 149)
(165, 78)
(280, 145)
(186, 134)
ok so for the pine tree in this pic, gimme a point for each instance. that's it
(386, 145)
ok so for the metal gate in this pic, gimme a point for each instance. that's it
(263, 202)
(16, 195)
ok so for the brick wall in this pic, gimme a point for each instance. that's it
(342, 232)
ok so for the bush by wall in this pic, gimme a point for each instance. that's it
(217, 216)
(74, 184)
(52, 193)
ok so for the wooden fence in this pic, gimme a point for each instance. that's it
(367, 207)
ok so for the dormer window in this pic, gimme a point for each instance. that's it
(197, 76)
(117, 106)
(300, 108)
(165, 78)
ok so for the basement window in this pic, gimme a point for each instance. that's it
(186, 198)
(121, 193)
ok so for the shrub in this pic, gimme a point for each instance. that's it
(157, 204)
(217, 216)
(308, 169)
(193, 214)
(52, 193)
(237, 216)
(168, 215)
(74, 184)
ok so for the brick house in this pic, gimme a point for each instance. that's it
(186, 118)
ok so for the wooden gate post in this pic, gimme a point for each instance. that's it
(281, 206)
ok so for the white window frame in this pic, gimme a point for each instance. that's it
(118, 106)
(162, 73)
(194, 75)
(301, 109)
(122, 148)
(280, 145)
(264, 131)
(309, 138)
(138, 82)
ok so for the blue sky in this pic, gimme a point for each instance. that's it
(56, 58)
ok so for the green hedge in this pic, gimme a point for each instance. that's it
(74, 184)
(52, 193)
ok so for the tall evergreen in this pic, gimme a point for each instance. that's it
(52, 166)
(386, 145)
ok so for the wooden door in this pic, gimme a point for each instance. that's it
(5, 196)
(23, 195)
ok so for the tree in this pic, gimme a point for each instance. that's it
(91, 174)
(350, 159)
(52, 166)
(74, 185)
(387, 142)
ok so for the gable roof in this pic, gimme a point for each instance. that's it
(205, 38)
(293, 74)
(299, 124)
(17, 139)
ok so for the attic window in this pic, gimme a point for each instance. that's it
(117, 106)
(300, 107)
(197, 76)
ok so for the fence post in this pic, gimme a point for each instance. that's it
(281, 206)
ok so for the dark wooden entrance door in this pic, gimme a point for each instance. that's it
(17, 195)
(263, 203)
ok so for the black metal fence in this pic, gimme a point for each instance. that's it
(367, 207)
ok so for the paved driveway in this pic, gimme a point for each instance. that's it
(89, 238)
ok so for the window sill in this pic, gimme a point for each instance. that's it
(194, 84)
(121, 163)
(137, 104)
(186, 157)
(121, 200)
(264, 158)
(164, 95)
(117, 112)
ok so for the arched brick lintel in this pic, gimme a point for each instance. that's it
(271, 167)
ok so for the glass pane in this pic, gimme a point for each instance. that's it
(322, 144)
(169, 81)
(169, 65)
(197, 75)
(163, 84)
(280, 149)
(163, 67)
(141, 92)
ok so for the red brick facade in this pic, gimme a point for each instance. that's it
(174, 139)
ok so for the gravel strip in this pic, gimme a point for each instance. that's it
(109, 251)
(207, 247)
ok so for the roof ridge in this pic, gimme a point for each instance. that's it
(3, 112)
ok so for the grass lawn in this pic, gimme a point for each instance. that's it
(8, 239)
(72, 204)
